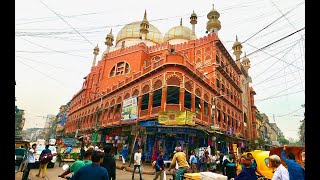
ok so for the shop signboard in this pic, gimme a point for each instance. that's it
(129, 109)
(176, 118)
(191, 118)
(174, 130)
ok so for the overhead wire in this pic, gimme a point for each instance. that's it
(261, 100)
(68, 24)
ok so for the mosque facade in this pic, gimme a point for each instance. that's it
(158, 91)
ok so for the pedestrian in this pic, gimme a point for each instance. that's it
(253, 161)
(137, 163)
(296, 171)
(180, 159)
(82, 152)
(78, 164)
(124, 154)
(109, 162)
(45, 157)
(94, 170)
(229, 166)
(31, 161)
(193, 162)
(247, 173)
(101, 147)
(281, 173)
(160, 171)
(204, 162)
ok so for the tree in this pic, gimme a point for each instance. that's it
(301, 132)
(282, 140)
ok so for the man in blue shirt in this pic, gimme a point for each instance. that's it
(159, 167)
(94, 170)
(296, 171)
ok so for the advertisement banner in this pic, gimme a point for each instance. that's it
(129, 109)
(176, 118)
(191, 118)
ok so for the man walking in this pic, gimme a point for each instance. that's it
(109, 162)
(31, 161)
(44, 163)
(124, 153)
(296, 171)
(137, 163)
(159, 167)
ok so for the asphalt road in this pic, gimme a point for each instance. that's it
(52, 174)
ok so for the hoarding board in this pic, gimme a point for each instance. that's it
(129, 109)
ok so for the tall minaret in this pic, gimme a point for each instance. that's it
(109, 41)
(144, 26)
(193, 21)
(213, 25)
(95, 52)
(246, 63)
(237, 47)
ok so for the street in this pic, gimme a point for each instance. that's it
(52, 174)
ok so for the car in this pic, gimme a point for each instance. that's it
(21, 159)
(53, 150)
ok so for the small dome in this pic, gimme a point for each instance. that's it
(236, 43)
(132, 30)
(212, 13)
(178, 32)
(194, 14)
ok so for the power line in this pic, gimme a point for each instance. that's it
(274, 85)
(67, 23)
(42, 73)
(276, 78)
(289, 113)
(260, 100)
(50, 49)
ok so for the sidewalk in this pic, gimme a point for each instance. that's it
(146, 168)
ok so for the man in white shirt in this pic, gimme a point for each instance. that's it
(281, 172)
(137, 163)
(31, 161)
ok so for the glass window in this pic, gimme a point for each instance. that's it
(173, 94)
(145, 101)
(206, 108)
(157, 96)
(266, 160)
(218, 115)
(217, 59)
(118, 108)
(218, 83)
(113, 70)
(187, 99)
(197, 105)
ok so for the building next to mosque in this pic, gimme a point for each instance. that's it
(158, 91)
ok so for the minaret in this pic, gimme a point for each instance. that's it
(246, 63)
(237, 47)
(193, 21)
(144, 26)
(213, 25)
(109, 41)
(95, 52)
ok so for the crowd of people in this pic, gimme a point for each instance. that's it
(98, 162)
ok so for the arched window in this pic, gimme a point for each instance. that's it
(157, 94)
(187, 95)
(120, 68)
(173, 90)
(145, 97)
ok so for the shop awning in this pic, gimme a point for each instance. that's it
(70, 141)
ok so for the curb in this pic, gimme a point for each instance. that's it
(130, 169)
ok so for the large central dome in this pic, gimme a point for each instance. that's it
(132, 30)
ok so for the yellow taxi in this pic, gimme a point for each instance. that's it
(262, 160)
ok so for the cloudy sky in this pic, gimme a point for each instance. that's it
(55, 41)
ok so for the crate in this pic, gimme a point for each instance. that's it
(192, 176)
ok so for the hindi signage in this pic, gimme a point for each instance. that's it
(176, 118)
(129, 109)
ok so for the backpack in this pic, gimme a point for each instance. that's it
(154, 164)
(46, 158)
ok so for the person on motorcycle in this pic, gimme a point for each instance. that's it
(179, 158)
(78, 164)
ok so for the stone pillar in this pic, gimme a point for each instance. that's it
(202, 109)
(193, 99)
(181, 98)
(150, 102)
(164, 98)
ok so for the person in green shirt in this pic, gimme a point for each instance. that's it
(78, 164)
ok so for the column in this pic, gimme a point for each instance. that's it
(164, 98)
(181, 98)
(150, 102)
(202, 109)
(193, 99)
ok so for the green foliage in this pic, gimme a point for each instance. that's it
(282, 140)
(254, 146)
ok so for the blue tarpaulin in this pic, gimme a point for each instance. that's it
(70, 141)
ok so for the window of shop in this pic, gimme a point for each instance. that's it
(206, 109)
(187, 99)
(173, 94)
(111, 112)
(197, 105)
(218, 115)
(217, 59)
(157, 96)
(228, 118)
(145, 101)
(118, 108)
(218, 83)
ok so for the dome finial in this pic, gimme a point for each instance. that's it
(181, 22)
(245, 54)
(110, 31)
(236, 38)
(212, 6)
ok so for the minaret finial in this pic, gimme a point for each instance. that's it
(236, 38)
(181, 22)
(145, 14)
(110, 31)
(212, 6)
(245, 55)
